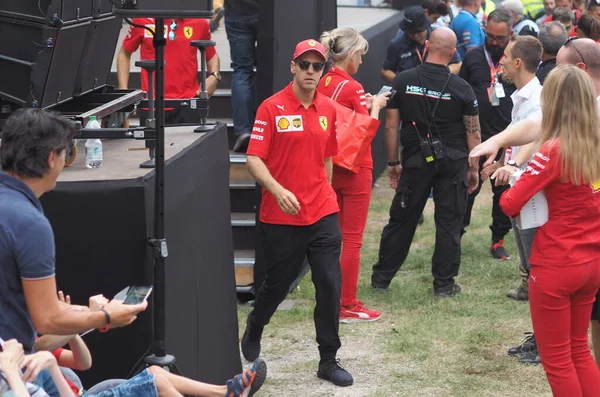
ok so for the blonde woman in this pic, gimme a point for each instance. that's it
(565, 257)
(346, 48)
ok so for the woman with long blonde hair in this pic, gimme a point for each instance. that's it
(565, 258)
(346, 48)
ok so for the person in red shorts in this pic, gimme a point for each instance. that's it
(181, 62)
(565, 257)
(346, 47)
(289, 155)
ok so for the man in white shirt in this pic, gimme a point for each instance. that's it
(585, 54)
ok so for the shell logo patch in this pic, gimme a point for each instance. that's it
(323, 122)
(188, 32)
(327, 81)
(283, 123)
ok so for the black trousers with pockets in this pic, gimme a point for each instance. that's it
(448, 179)
(285, 247)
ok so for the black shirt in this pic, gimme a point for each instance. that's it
(457, 100)
(403, 53)
(476, 71)
(241, 7)
(545, 68)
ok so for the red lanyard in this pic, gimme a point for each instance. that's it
(495, 71)
(421, 56)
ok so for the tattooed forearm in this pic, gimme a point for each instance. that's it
(473, 131)
(472, 124)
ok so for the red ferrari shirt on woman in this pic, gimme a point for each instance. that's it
(293, 142)
(181, 59)
(56, 353)
(572, 234)
(341, 87)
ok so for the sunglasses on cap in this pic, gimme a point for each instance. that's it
(304, 65)
(571, 42)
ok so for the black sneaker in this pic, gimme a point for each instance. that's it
(448, 291)
(377, 287)
(525, 347)
(241, 144)
(518, 294)
(332, 371)
(531, 357)
(251, 341)
(498, 251)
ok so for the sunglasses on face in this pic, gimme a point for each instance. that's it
(498, 39)
(304, 65)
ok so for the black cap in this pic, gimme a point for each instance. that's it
(414, 20)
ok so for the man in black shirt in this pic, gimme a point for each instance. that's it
(481, 68)
(553, 35)
(407, 49)
(241, 25)
(440, 125)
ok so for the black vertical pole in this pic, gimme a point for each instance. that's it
(159, 192)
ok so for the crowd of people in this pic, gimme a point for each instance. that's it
(473, 97)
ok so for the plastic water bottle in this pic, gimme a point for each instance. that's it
(93, 147)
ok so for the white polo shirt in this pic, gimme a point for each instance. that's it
(526, 106)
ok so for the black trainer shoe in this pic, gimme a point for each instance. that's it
(518, 294)
(525, 347)
(378, 287)
(332, 371)
(531, 357)
(498, 251)
(241, 143)
(251, 341)
(448, 291)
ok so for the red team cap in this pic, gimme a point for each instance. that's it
(310, 45)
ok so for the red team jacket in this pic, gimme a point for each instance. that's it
(572, 234)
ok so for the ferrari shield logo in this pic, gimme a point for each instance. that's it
(323, 122)
(327, 81)
(188, 31)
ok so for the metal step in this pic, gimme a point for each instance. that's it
(244, 268)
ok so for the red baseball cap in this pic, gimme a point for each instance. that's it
(310, 45)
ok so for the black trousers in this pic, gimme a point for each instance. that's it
(448, 178)
(500, 222)
(285, 247)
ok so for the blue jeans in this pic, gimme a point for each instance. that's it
(44, 380)
(141, 385)
(242, 33)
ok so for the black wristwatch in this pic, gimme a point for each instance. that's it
(513, 163)
(216, 74)
(393, 163)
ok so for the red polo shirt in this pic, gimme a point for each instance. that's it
(341, 87)
(294, 142)
(181, 59)
(572, 234)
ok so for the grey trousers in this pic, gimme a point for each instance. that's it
(524, 239)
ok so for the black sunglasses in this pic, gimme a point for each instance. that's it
(498, 39)
(317, 66)
(570, 41)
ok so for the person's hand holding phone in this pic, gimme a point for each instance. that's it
(380, 101)
(122, 314)
(97, 302)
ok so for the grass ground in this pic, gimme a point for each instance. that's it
(422, 346)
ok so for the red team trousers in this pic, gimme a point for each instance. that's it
(560, 299)
(353, 195)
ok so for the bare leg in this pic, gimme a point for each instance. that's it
(596, 341)
(188, 386)
(164, 387)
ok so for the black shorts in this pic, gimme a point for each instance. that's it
(596, 308)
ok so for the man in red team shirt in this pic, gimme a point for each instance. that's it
(290, 150)
(181, 62)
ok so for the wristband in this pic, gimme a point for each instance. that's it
(107, 316)
(393, 163)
